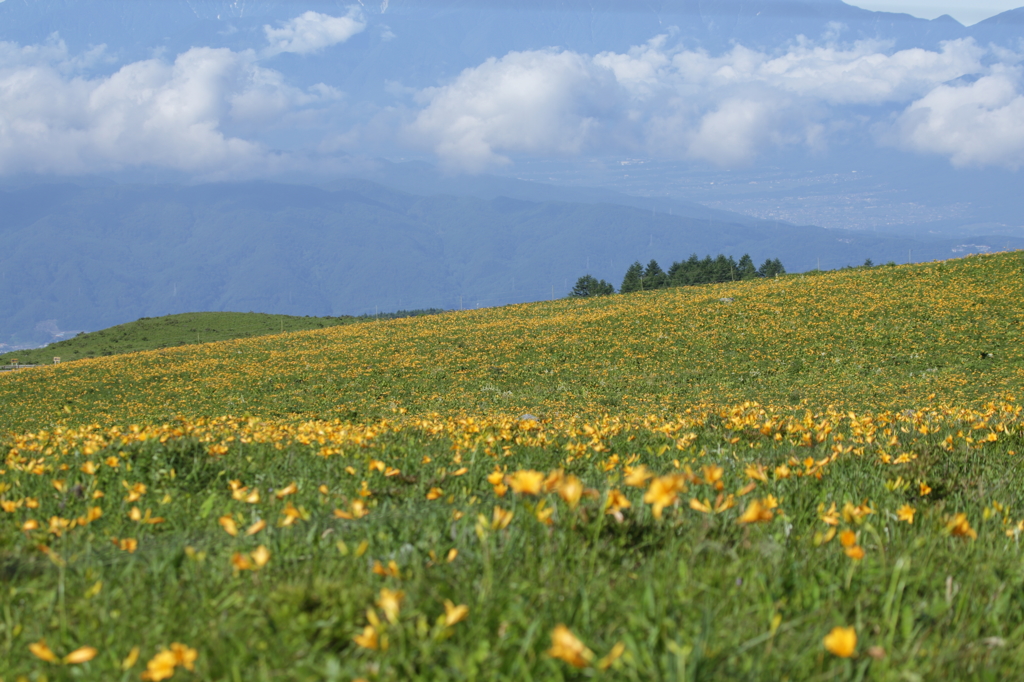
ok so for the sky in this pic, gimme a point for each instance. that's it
(967, 12)
(217, 112)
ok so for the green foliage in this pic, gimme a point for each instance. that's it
(771, 268)
(171, 331)
(633, 279)
(588, 285)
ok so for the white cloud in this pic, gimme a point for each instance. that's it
(312, 32)
(975, 124)
(188, 115)
(673, 102)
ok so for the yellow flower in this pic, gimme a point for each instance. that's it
(841, 642)
(453, 614)
(240, 562)
(80, 655)
(848, 538)
(637, 476)
(662, 493)
(390, 603)
(452, 553)
(289, 489)
(41, 651)
(755, 512)
(501, 518)
(612, 656)
(616, 501)
(260, 556)
(526, 482)
(906, 513)
(256, 527)
(228, 524)
(571, 490)
(703, 507)
(831, 517)
(924, 489)
(960, 527)
(756, 472)
(855, 552)
(565, 646)
(161, 666)
(130, 659)
(434, 493)
(367, 640)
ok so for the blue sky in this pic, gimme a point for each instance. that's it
(965, 11)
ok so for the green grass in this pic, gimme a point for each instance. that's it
(873, 383)
(172, 331)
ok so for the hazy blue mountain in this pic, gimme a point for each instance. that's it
(84, 258)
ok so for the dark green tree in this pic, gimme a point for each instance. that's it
(588, 285)
(746, 269)
(869, 263)
(770, 268)
(654, 277)
(634, 279)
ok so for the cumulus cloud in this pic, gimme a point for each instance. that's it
(190, 114)
(673, 102)
(312, 32)
(974, 124)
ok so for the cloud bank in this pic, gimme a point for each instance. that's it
(203, 112)
(676, 103)
(216, 112)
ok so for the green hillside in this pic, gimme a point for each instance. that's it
(171, 331)
(808, 478)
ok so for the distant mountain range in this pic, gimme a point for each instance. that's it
(88, 257)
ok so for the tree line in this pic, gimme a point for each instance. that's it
(693, 271)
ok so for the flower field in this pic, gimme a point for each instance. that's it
(819, 479)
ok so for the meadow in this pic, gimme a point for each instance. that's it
(812, 477)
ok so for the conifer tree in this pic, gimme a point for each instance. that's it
(633, 281)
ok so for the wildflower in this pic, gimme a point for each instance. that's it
(612, 656)
(130, 659)
(756, 511)
(260, 556)
(256, 527)
(80, 655)
(616, 501)
(841, 642)
(703, 507)
(565, 646)
(290, 489)
(906, 513)
(856, 552)
(241, 562)
(662, 493)
(525, 482)
(848, 538)
(454, 614)
(228, 524)
(637, 477)
(960, 527)
(831, 517)
(571, 490)
(367, 640)
(434, 493)
(544, 513)
(501, 518)
(452, 553)
(162, 666)
(390, 603)
(924, 489)
(41, 651)
(756, 472)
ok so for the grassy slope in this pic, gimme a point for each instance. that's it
(171, 331)
(863, 338)
(691, 595)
